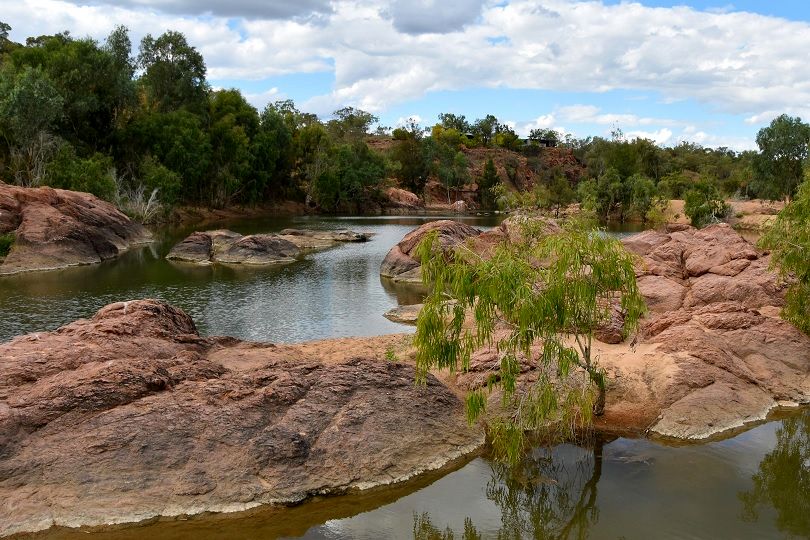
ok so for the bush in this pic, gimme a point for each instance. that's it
(154, 176)
(92, 175)
(703, 204)
(6, 242)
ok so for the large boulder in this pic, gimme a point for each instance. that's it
(401, 263)
(131, 415)
(713, 353)
(400, 198)
(56, 228)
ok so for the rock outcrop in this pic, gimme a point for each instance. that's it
(712, 353)
(56, 228)
(401, 264)
(714, 321)
(223, 246)
(401, 198)
(407, 314)
(131, 414)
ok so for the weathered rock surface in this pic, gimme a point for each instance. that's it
(223, 246)
(404, 314)
(401, 264)
(400, 198)
(714, 320)
(56, 228)
(712, 353)
(131, 414)
(311, 239)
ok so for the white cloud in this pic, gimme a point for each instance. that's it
(433, 16)
(265, 9)
(661, 136)
(261, 99)
(589, 114)
(546, 121)
(404, 121)
(387, 52)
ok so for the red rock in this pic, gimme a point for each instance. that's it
(56, 228)
(131, 415)
(400, 264)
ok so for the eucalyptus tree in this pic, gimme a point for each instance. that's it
(783, 149)
(789, 240)
(538, 302)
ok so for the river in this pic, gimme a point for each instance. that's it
(752, 485)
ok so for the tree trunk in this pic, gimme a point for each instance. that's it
(599, 406)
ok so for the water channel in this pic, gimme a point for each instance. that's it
(755, 484)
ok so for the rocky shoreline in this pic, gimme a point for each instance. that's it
(56, 228)
(712, 354)
(161, 421)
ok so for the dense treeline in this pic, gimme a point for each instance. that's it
(91, 116)
(135, 128)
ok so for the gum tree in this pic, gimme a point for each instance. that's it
(789, 239)
(537, 301)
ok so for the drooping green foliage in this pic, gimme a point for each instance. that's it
(703, 204)
(789, 240)
(537, 302)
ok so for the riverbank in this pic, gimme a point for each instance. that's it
(223, 425)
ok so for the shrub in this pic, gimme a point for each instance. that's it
(91, 175)
(703, 204)
(6, 242)
(154, 176)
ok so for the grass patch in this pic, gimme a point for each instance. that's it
(6, 241)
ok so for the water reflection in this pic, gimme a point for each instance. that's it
(783, 479)
(551, 493)
(335, 293)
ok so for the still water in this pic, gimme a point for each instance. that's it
(753, 485)
(333, 293)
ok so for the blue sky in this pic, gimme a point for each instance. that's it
(710, 72)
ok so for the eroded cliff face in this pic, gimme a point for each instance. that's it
(56, 228)
(131, 415)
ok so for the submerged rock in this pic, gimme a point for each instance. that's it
(404, 314)
(223, 246)
(131, 415)
(56, 228)
(312, 239)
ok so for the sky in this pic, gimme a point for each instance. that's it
(705, 71)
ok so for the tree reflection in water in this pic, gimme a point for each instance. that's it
(550, 494)
(783, 479)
